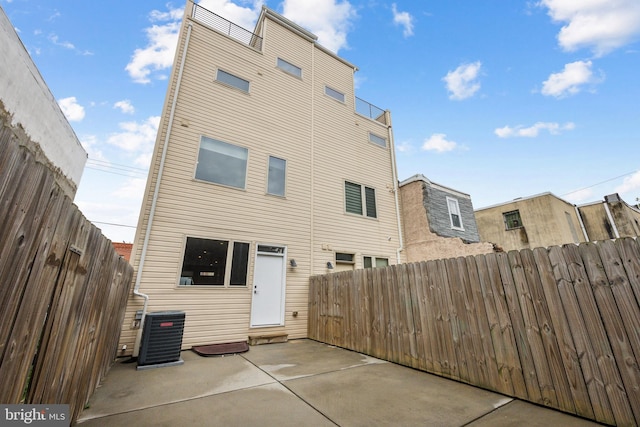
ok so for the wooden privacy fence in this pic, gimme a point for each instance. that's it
(63, 288)
(559, 327)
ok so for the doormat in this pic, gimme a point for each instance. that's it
(221, 349)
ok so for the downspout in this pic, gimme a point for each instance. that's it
(584, 230)
(154, 201)
(392, 147)
(613, 224)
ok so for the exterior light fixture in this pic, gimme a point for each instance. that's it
(329, 265)
(293, 263)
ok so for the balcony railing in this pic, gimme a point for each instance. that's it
(227, 27)
(369, 110)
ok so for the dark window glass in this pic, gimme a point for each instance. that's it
(239, 264)
(204, 262)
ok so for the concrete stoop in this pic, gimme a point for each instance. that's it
(268, 339)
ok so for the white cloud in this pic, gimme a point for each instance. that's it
(579, 196)
(462, 82)
(73, 111)
(133, 189)
(570, 80)
(327, 19)
(438, 142)
(533, 131)
(138, 138)
(125, 106)
(630, 183)
(56, 40)
(404, 147)
(245, 17)
(404, 19)
(600, 25)
(161, 46)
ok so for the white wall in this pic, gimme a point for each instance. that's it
(27, 98)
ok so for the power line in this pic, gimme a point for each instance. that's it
(600, 183)
(111, 223)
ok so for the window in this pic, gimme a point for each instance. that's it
(222, 163)
(214, 262)
(360, 202)
(371, 262)
(277, 175)
(512, 220)
(289, 68)
(231, 80)
(334, 93)
(454, 213)
(378, 140)
(345, 258)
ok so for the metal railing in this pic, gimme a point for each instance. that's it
(227, 27)
(369, 110)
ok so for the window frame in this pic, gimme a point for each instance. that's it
(381, 139)
(224, 183)
(287, 66)
(507, 220)
(451, 200)
(284, 178)
(229, 264)
(365, 201)
(335, 94)
(230, 81)
(374, 261)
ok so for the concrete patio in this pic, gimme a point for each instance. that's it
(301, 382)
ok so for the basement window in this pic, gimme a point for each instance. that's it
(214, 262)
(512, 220)
(375, 262)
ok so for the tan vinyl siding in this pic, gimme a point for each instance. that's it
(323, 142)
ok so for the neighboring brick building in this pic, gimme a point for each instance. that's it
(123, 249)
(438, 221)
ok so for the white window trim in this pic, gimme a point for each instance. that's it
(285, 176)
(455, 201)
(227, 269)
(344, 97)
(278, 59)
(246, 170)
(220, 82)
(375, 143)
(363, 198)
(374, 260)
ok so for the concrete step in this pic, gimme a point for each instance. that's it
(260, 339)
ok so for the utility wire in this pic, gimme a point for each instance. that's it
(599, 183)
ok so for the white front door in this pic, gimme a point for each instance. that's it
(267, 304)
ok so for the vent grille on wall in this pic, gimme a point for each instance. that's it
(161, 339)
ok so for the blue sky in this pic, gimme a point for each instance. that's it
(497, 99)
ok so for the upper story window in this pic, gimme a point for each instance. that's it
(231, 80)
(222, 163)
(360, 200)
(512, 220)
(454, 213)
(289, 67)
(214, 262)
(378, 140)
(277, 176)
(334, 94)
